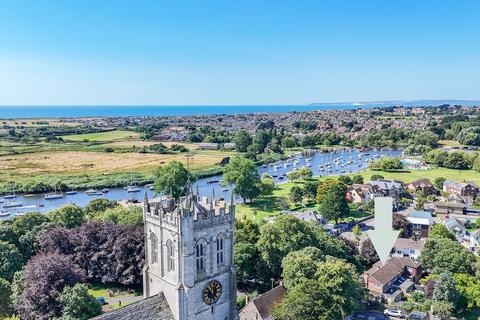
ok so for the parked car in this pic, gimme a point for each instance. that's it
(101, 300)
(417, 315)
(393, 313)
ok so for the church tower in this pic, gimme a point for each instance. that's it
(189, 256)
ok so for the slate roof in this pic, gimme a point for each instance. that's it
(420, 217)
(153, 308)
(387, 184)
(264, 303)
(392, 269)
(453, 223)
(402, 243)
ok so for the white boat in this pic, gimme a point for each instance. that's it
(4, 214)
(225, 189)
(105, 190)
(12, 204)
(133, 189)
(10, 196)
(52, 196)
(71, 192)
(91, 191)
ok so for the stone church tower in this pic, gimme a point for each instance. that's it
(189, 256)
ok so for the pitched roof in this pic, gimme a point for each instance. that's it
(453, 223)
(391, 269)
(402, 243)
(422, 183)
(153, 308)
(387, 184)
(420, 217)
(265, 302)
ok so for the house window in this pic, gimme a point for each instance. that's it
(170, 256)
(220, 250)
(153, 248)
(200, 256)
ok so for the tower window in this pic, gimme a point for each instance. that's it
(153, 248)
(220, 250)
(170, 256)
(200, 256)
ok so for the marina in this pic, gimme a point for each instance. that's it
(321, 164)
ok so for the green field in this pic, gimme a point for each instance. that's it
(102, 136)
(408, 176)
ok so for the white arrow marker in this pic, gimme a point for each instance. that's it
(383, 237)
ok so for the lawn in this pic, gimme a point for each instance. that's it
(410, 175)
(102, 136)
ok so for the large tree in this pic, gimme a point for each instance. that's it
(440, 231)
(172, 179)
(77, 303)
(331, 199)
(330, 295)
(242, 173)
(11, 260)
(5, 300)
(444, 289)
(300, 265)
(69, 216)
(242, 140)
(440, 255)
(43, 280)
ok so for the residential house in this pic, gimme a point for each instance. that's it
(421, 222)
(464, 189)
(475, 241)
(423, 185)
(456, 226)
(447, 208)
(360, 193)
(408, 248)
(389, 188)
(260, 308)
(394, 279)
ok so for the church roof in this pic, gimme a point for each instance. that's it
(153, 308)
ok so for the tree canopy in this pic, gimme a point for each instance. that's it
(242, 173)
(171, 179)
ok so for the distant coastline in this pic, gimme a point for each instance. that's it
(38, 112)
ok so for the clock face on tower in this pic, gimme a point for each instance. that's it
(212, 292)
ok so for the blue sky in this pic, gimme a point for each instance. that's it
(237, 52)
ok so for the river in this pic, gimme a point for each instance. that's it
(340, 162)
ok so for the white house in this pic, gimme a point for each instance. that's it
(456, 227)
(475, 241)
(408, 248)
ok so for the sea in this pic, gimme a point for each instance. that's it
(70, 111)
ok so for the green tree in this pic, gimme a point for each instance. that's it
(77, 303)
(242, 140)
(300, 265)
(296, 194)
(346, 180)
(305, 173)
(171, 179)
(11, 260)
(444, 289)
(439, 231)
(310, 190)
(121, 215)
(376, 177)
(69, 216)
(331, 199)
(438, 182)
(267, 186)
(5, 300)
(332, 294)
(97, 206)
(286, 234)
(358, 179)
(246, 258)
(443, 310)
(440, 255)
(243, 174)
(468, 287)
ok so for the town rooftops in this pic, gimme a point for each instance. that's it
(391, 269)
(422, 183)
(153, 308)
(402, 243)
(420, 217)
(387, 184)
(458, 185)
(453, 223)
(264, 303)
